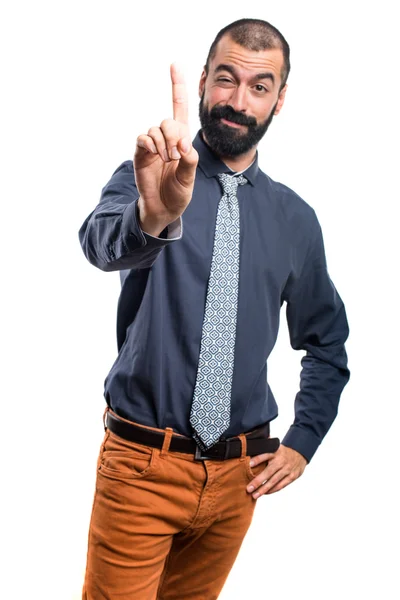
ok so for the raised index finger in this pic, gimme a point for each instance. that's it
(179, 95)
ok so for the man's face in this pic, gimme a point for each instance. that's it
(239, 97)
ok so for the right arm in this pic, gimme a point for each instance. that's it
(112, 238)
(151, 200)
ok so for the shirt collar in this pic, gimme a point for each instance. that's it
(211, 165)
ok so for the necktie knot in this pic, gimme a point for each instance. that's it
(230, 183)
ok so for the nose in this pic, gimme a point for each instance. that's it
(238, 99)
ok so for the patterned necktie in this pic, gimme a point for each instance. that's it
(211, 406)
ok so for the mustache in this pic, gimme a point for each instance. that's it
(228, 113)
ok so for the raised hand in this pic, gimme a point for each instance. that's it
(165, 164)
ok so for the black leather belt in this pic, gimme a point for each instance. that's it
(257, 441)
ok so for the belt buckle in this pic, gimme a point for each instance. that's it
(198, 455)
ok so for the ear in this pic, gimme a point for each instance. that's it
(202, 82)
(281, 100)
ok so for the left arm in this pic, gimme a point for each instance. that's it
(317, 323)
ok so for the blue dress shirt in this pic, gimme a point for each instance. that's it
(163, 292)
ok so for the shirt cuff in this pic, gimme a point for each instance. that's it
(174, 231)
(302, 440)
(135, 238)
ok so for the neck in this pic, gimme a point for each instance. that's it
(237, 163)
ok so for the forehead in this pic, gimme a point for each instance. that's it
(247, 62)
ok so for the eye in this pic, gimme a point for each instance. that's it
(260, 88)
(224, 79)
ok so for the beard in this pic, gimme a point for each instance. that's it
(229, 141)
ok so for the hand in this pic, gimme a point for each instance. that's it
(284, 466)
(165, 164)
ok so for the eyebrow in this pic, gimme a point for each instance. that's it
(232, 71)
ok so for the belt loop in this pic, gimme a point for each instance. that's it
(104, 417)
(166, 442)
(243, 441)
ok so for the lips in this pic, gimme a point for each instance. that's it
(231, 123)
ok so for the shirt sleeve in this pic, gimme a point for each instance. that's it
(173, 231)
(111, 236)
(318, 324)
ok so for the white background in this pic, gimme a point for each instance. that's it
(80, 81)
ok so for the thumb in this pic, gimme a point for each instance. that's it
(186, 169)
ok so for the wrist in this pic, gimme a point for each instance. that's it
(151, 228)
(150, 224)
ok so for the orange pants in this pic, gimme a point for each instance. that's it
(165, 526)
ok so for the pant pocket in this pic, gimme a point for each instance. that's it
(252, 472)
(126, 460)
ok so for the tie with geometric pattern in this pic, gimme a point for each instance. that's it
(211, 406)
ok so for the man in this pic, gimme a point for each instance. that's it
(209, 248)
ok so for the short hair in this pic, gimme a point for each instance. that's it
(254, 34)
